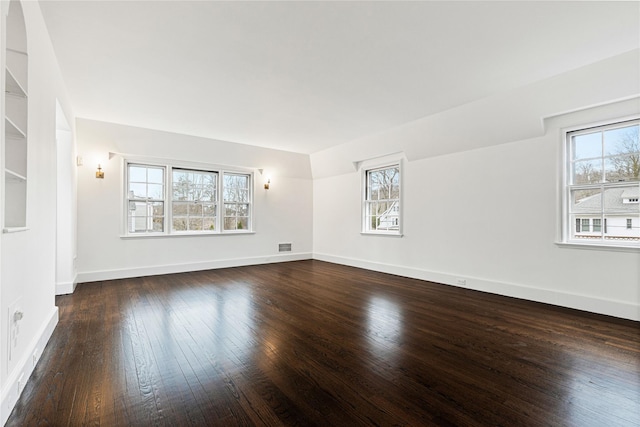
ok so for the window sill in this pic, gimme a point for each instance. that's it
(160, 235)
(598, 247)
(380, 233)
(8, 230)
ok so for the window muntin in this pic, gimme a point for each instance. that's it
(162, 199)
(381, 210)
(145, 199)
(603, 177)
(236, 201)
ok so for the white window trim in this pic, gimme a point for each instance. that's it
(564, 238)
(382, 162)
(168, 166)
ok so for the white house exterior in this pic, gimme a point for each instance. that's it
(390, 219)
(619, 220)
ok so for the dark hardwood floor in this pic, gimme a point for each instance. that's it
(311, 343)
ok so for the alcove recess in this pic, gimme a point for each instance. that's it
(15, 140)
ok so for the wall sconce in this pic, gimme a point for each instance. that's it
(99, 173)
(266, 185)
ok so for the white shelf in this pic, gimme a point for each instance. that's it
(11, 130)
(12, 176)
(13, 86)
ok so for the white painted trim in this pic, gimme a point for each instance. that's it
(93, 276)
(10, 392)
(597, 247)
(625, 310)
(64, 288)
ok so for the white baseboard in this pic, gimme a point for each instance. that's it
(607, 307)
(25, 365)
(63, 288)
(93, 276)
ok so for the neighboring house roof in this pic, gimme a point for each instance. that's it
(613, 202)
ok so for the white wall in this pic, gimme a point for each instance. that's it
(28, 258)
(481, 196)
(66, 205)
(282, 214)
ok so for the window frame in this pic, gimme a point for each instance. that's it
(148, 200)
(569, 219)
(169, 166)
(366, 168)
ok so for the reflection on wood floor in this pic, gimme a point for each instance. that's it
(312, 343)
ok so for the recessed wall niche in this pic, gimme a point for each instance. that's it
(15, 141)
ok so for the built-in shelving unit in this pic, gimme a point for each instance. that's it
(15, 141)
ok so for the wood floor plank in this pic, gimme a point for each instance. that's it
(310, 343)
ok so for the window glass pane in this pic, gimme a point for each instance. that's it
(597, 225)
(621, 141)
(587, 172)
(374, 192)
(242, 181)
(622, 168)
(587, 146)
(137, 174)
(618, 213)
(208, 224)
(138, 191)
(209, 210)
(195, 223)
(155, 175)
(195, 209)
(243, 210)
(383, 184)
(155, 191)
(586, 201)
(137, 209)
(242, 223)
(179, 223)
(614, 200)
(157, 209)
(194, 185)
(633, 229)
(139, 224)
(230, 209)
(229, 223)
(158, 224)
(180, 208)
(192, 188)
(180, 187)
(236, 188)
(582, 229)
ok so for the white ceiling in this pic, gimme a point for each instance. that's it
(304, 76)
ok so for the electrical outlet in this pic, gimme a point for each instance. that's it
(461, 282)
(14, 318)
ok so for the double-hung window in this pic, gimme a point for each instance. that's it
(145, 198)
(175, 200)
(602, 181)
(236, 201)
(381, 204)
(194, 200)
